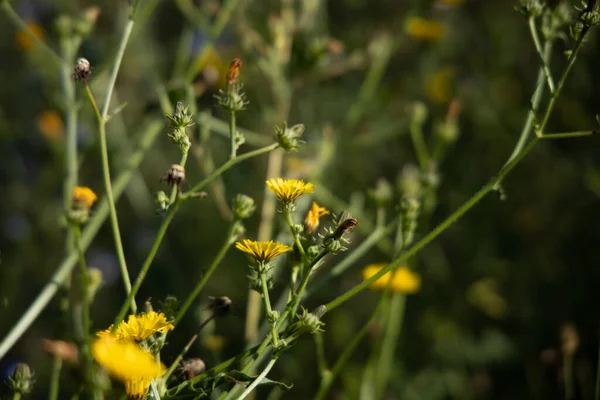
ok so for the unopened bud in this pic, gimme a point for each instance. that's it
(382, 193)
(243, 206)
(289, 138)
(22, 379)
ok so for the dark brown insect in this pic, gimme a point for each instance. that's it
(344, 226)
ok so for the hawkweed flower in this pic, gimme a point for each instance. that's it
(83, 200)
(311, 221)
(403, 280)
(50, 124)
(424, 29)
(24, 41)
(262, 252)
(288, 190)
(127, 362)
(140, 327)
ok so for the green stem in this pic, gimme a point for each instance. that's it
(213, 266)
(543, 55)
(16, 396)
(416, 135)
(55, 379)
(93, 226)
(268, 309)
(222, 128)
(295, 234)
(109, 195)
(230, 164)
(85, 301)
(258, 379)
(142, 275)
(569, 135)
(390, 340)
(232, 134)
(568, 377)
(435, 232)
(320, 349)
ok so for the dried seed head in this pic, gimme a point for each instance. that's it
(82, 70)
(220, 306)
(175, 175)
(192, 367)
(234, 71)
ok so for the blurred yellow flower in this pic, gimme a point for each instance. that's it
(126, 361)
(84, 195)
(311, 221)
(213, 342)
(262, 251)
(438, 86)
(424, 29)
(50, 124)
(289, 190)
(22, 39)
(403, 279)
(140, 327)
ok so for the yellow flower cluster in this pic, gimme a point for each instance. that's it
(289, 190)
(84, 195)
(129, 363)
(311, 221)
(424, 29)
(140, 327)
(403, 279)
(262, 251)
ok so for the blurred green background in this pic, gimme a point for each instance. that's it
(497, 286)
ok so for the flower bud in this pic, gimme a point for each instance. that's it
(409, 181)
(289, 138)
(243, 206)
(94, 282)
(382, 193)
(179, 121)
(22, 379)
(310, 322)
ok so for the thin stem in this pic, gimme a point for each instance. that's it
(109, 195)
(390, 340)
(230, 164)
(232, 134)
(543, 58)
(568, 135)
(93, 226)
(268, 309)
(320, 349)
(597, 392)
(55, 379)
(213, 266)
(295, 234)
(85, 300)
(416, 135)
(116, 65)
(146, 266)
(435, 232)
(568, 377)
(16, 20)
(258, 379)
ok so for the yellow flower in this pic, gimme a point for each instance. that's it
(50, 124)
(262, 251)
(85, 195)
(424, 29)
(311, 221)
(126, 361)
(140, 327)
(439, 86)
(289, 190)
(403, 281)
(22, 39)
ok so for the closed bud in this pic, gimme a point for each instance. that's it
(310, 322)
(82, 70)
(22, 379)
(382, 193)
(409, 181)
(418, 113)
(289, 138)
(243, 206)
(162, 201)
(94, 282)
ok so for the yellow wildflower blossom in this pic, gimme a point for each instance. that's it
(84, 195)
(126, 361)
(262, 251)
(438, 86)
(289, 190)
(403, 279)
(140, 327)
(311, 221)
(50, 124)
(424, 29)
(23, 40)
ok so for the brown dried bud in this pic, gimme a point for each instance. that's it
(192, 367)
(220, 306)
(63, 350)
(82, 70)
(234, 71)
(174, 175)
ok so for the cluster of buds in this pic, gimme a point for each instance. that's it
(531, 8)
(289, 138)
(69, 27)
(179, 121)
(334, 240)
(590, 14)
(309, 322)
(243, 207)
(233, 99)
(409, 214)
